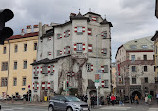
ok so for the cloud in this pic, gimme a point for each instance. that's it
(131, 18)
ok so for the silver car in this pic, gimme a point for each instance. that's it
(67, 103)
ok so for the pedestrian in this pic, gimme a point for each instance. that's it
(157, 97)
(136, 98)
(108, 99)
(92, 101)
(132, 98)
(113, 98)
(146, 99)
(149, 98)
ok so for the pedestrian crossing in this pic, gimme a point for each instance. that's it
(153, 109)
(116, 108)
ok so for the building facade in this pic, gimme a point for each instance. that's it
(114, 77)
(135, 68)
(16, 55)
(70, 55)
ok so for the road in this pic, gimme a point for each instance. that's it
(126, 107)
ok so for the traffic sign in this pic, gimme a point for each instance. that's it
(97, 84)
(96, 77)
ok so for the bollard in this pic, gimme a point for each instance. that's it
(0, 106)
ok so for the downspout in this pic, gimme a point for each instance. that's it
(8, 68)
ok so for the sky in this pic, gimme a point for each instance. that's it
(131, 19)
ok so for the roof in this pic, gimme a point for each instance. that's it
(142, 44)
(106, 22)
(48, 33)
(23, 36)
(46, 60)
(155, 36)
(92, 13)
(79, 17)
(60, 25)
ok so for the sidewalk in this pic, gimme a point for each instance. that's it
(25, 103)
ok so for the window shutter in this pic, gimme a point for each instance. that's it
(43, 85)
(69, 32)
(41, 70)
(75, 29)
(64, 34)
(49, 38)
(48, 69)
(83, 29)
(68, 74)
(89, 31)
(37, 85)
(72, 74)
(33, 86)
(52, 69)
(94, 19)
(102, 51)
(48, 85)
(49, 53)
(64, 50)
(102, 68)
(60, 52)
(75, 47)
(89, 47)
(68, 49)
(60, 35)
(102, 84)
(83, 46)
(91, 67)
(37, 70)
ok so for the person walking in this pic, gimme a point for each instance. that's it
(146, 99)
(157, 97)
(92, 101)
(85, 98)
(108, 99)
(149, 98)
(113, 98)
(136, 98)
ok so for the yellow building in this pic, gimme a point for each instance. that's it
(16, 55)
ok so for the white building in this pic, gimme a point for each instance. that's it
(73, 52)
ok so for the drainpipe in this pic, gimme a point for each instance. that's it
(8, 68)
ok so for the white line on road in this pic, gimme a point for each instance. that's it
(153, 109)
(116, 108)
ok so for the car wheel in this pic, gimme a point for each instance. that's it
(69, 109)
(50, 108)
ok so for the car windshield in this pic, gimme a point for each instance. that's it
(72, 99)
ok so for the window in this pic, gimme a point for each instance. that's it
(79, 30)
(89, 67)
(14, 81)
(51, 84)
(133, 46)
(133, 80)
(59, 52)
(24, 81)
(89, 31)
(144, 46)
(104, 35)
(145, 68)
(4, 66)
(154, 57)
(15, 65)
(106, 83)
(16, 48)
(35, 46)
(4, 81)
(154, 68)
(145, 57)
(79, 47)
(25, 65)
(59, 36)
(67, 33)
(44, 69)
(35, 85)
(25, 47)
(133, 68)
(133, 57)
(105, 68)
(104, 51)
(146, 79)
(34, 60)
(4, 50)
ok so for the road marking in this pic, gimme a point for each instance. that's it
(153, 109)
(116, 108)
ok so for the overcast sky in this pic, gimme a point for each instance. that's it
(131, 19)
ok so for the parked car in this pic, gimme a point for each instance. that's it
(67, 103)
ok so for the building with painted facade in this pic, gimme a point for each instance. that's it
(69, 56)
(135, 68)
(16, 55)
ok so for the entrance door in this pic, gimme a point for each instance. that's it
(138, 94)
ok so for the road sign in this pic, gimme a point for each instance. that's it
(97, 84)
(97, 78)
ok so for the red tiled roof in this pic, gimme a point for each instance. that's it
(23, 36)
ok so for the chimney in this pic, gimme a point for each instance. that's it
(40, 29)
(35, 28)
(22, 32)
(72, 14)
(28, 29)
